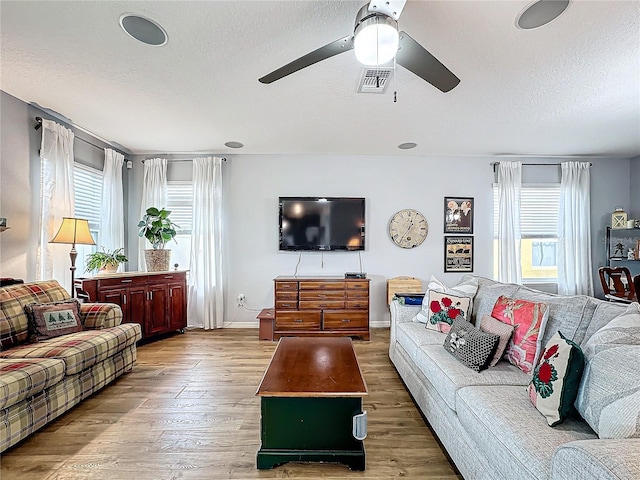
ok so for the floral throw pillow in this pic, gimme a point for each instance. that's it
(556, 379)
(471, 347)
(467, 288)
(529, 320)
(49, 320)
(444, 308)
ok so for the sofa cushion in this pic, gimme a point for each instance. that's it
(50, 320)
(24, 377)
(566, 312)
(511, 434)
(496, 327)
(14, 327)
(81, 350)
(603, 313)
(449, 375)
(529, 321)
(609, 395)
(488, 293)
(596, 459)
(412, 335)
(471, 346)
(556, 378)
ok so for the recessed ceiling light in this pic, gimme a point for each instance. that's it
(540, 13)
(143, 29)
(407, 145)
(234, 144)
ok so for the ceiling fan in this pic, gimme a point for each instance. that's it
(376, 41)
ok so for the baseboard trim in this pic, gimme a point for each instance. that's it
(255, 324)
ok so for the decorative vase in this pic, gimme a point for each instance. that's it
(157, 260)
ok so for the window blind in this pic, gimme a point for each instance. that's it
(87, 186)
(180, 202)
(539, 209)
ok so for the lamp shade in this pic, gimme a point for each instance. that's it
(74, 230)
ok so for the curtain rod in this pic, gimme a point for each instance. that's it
(39, 124)
(495, 164)
(224, 159)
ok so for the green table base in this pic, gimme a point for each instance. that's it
(310, 430)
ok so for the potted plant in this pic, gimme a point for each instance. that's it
(105, 261)
(156, 227)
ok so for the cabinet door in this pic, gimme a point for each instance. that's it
(177, 306)
(117, 296)
(136, 302)
(157, 313)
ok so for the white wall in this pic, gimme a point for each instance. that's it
(252, 185)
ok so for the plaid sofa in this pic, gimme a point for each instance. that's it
(40, 381)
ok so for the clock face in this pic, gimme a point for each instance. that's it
(408, 228)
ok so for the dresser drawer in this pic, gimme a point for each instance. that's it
(297, 320)
(285, 285)
(287, 304)
(321, 304)
(357, 294)
(319, 285)
(122, 281)
(357, 285)
(321, 294)
(345, 320)
(287, 295)
(358, 304)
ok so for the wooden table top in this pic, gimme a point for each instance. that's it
(313, 367)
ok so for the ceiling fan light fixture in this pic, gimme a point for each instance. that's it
(376, 40)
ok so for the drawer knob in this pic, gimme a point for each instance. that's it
(346, 320)
(298, 320)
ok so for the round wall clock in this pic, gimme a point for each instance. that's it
(408, 228)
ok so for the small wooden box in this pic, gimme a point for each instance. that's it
(266, 317)
(403, 285)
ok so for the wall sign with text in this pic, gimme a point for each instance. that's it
(458, 254)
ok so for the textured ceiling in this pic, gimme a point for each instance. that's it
(571, 87)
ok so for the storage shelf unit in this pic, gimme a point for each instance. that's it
(155, 300)
(628, 237)
(321, 306)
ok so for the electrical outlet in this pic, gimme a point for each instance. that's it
(240, 299)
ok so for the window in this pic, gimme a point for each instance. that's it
(539, 209)
(180, 203)
(87, 186)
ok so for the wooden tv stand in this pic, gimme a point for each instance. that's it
(321, 306)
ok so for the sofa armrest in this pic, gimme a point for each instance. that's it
(95, 316)
(403, 313)
(601, 459)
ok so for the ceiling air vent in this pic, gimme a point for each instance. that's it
(374, 80)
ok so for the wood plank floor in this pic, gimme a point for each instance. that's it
(188, 411)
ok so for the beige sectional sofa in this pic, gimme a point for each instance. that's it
(486, 421)
(40, 381)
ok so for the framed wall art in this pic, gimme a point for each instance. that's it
(458, 254)
(458, 215)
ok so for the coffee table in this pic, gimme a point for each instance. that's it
(311, 404)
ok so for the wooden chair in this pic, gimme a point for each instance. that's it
(636, 284)
(617, 289)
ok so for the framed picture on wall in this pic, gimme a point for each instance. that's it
(458, 254)
(458, 215)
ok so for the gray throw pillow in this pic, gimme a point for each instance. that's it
(472, 347)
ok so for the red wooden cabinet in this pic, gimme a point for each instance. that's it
(157, 301)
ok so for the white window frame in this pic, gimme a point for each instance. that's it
(87, 189)
(180, 203)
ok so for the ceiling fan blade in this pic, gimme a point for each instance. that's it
(391, 8)
(415, 58)
(334, 48)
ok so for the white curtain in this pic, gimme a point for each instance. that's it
(574, 230)
(56, 201)
(154, 194)
(112, 205)
(509, 194)
(205, 266)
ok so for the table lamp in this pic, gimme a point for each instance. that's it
(73, 230)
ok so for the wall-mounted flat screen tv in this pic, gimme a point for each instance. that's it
(321, 223)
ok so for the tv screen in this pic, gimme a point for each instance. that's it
(321, 223)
